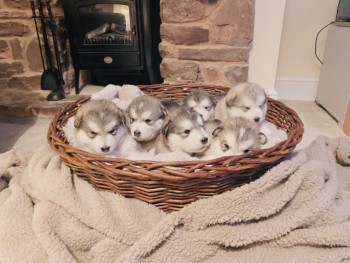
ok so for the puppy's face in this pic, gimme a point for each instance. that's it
(99, 127)
(200, 102)
(185, 132)
(247, 100)
(144, 118)
(236, 136)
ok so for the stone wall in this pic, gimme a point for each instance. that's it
(206, 40)
(20, 61)
(202, 41)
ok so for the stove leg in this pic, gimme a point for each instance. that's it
(153, 76)
(76, 81)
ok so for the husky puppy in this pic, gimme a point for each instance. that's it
(98, 127)
(233, 137)
(144, 118)
(201, 102)
(246, 100)
(183, 131)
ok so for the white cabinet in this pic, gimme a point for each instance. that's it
(334, 85)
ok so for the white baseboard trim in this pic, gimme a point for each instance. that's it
(296, 89)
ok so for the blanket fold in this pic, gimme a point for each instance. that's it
(297, 211)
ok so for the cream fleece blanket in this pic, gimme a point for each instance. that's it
(299, 211)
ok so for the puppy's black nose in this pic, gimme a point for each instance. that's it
(256, 119)
(137, 133)
(105, 149)
(204, 140)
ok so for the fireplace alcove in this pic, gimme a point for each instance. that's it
(115, 40)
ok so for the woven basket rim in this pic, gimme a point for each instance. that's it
(226, 160)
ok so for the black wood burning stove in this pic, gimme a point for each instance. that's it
(116, 40)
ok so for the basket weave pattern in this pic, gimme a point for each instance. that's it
(172, 185)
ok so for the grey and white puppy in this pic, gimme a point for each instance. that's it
(201, 102)
(183, 131)
(98, 127)
(246, 100)
(233, 137)
(144, 119)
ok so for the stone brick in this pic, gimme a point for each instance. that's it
(181, 11)
(184, 35)
(17, 50)
(10, 69)
(14, 14)
(32, 55)
(167, 50)
(13, 29)
(19, 4)
(236, 73)
(214, 53)
(3, 84)
(180, 71)
(234, 22)
(212, 72)
(68, 76)
(229, 35)
(25, 83)
(4, 46)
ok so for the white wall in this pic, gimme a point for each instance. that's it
(298, 69)
(263, 56)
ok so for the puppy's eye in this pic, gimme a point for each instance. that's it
(225, 147)
(92, 134)
(113, 132)
(148, 121)
(186, 132)
(262, 105)
(132, 120)
(245, 108)
(207, 108)
(246, 151)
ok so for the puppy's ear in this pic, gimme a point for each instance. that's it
(230, 98)
(217, 131)
(262, 138)
(78, 119)
(122, 115)
(163, 108)
(214, 101)
(165, 127)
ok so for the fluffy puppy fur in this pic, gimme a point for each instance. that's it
(233, 137)
(201, 102)
(144, 118)
(246, 100)
(183, 131)
(98, 127)
(169, 104)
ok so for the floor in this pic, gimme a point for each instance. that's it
(29, 132)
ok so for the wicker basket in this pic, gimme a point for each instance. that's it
(172, 185)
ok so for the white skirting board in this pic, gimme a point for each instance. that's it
(299, 89)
